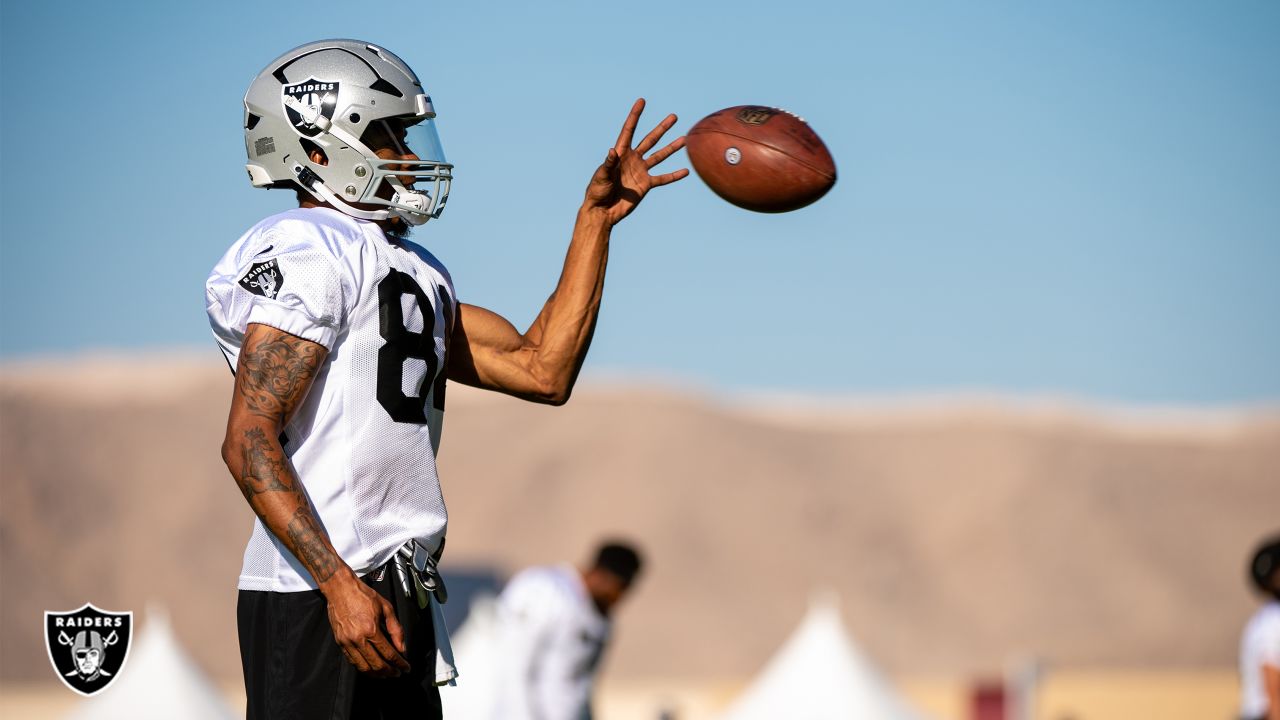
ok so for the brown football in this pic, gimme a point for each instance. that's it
(761, 158)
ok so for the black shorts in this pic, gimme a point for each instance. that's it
(294, 669)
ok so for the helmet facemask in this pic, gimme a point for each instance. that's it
(413, 183)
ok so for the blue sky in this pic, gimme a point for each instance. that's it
(1074, 199)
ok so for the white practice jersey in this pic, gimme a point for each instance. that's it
(364, 441)
(551, 638)
(1259, 645)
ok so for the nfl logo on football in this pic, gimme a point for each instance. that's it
(88, 647)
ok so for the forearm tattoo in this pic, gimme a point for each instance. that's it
(308, 545)
(263, 469)
(275, 373)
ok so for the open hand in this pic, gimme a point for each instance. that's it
(623, 179)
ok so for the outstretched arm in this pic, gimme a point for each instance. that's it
(542, 363)
(274, 372)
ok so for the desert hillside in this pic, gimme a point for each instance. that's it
(958, 534)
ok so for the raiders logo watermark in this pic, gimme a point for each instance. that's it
(308, 101)
(263, 279)
(755, 115)
(88, 647)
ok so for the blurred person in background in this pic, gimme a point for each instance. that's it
(1260, 644)
(554, 624)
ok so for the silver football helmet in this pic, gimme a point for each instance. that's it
(334, 96)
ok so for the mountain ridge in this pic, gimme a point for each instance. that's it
(959, 532)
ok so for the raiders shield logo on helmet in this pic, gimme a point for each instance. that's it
(308, 101)
(88, 647)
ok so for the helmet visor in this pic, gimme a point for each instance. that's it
(415, 151)
(423, 140)
(415, 181)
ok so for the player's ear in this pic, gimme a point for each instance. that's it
(314, 153)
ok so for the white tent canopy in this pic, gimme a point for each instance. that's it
(159, 681)
(819, 674)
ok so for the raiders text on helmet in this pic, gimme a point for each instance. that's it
(325, 96)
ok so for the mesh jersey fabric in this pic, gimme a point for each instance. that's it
(364, 441)
(552, 638)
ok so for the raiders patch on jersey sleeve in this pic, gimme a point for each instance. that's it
(263, 278)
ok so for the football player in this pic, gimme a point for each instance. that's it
(341, 333)
(554, 624)
(1260, 641)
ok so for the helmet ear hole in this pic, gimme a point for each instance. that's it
(314, 153)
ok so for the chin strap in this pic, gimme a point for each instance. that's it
(404, 196)
(409, 198)
(312, 182)
(332, 198)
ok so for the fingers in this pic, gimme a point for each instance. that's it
(665, 152)
(603, 176)
(373, 660)
(355, 658)
(376, 656)
(606, 168)
(629, 127)
(658, 180)
(394, 630)
(392, 662)
(383, 659)
(656, 134)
